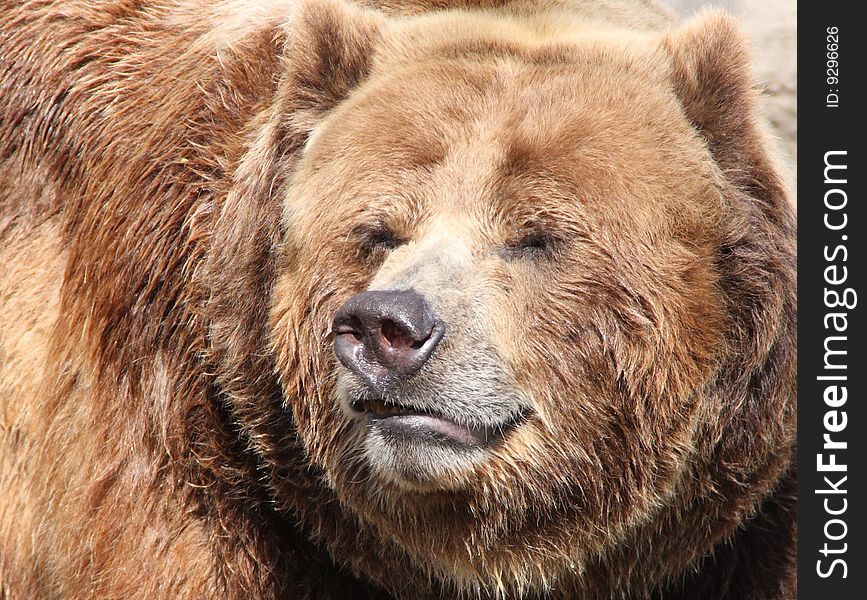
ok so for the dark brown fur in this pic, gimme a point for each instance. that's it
(166, 376)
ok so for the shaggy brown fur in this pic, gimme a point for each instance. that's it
(187, 195)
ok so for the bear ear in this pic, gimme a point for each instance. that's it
(712, 78)
(329, 52)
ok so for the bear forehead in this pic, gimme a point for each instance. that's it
(514, 137)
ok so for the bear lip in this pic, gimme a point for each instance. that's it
(414, 423)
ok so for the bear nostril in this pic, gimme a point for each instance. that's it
(350, 326)
(399, 339)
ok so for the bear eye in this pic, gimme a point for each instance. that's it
(378, 239)
(538, 243)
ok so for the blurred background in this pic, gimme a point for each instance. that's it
(772, 25)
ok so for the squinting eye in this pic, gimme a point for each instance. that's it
(534, 244)
(378, 239)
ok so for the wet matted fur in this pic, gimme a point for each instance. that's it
(583, 191)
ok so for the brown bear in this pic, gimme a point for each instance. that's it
(390, 299)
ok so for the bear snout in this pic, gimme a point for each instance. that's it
(386, 336)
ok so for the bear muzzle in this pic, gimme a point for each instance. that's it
(384, 338)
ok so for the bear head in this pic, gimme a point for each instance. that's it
(531, 308)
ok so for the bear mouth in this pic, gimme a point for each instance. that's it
(410, 423)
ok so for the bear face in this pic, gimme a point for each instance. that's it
(509, 228)
(433, 299)
(542, 222)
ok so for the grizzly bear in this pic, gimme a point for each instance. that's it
(406, 299)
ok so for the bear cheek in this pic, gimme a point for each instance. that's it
(551, 350)
(590, 377)
(304, 300)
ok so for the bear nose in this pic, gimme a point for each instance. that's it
(385, 335)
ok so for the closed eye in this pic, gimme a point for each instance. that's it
(533, 244)
(378, 239)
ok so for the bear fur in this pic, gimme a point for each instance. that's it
(190, 190)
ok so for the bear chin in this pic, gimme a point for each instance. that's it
(413, 445)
